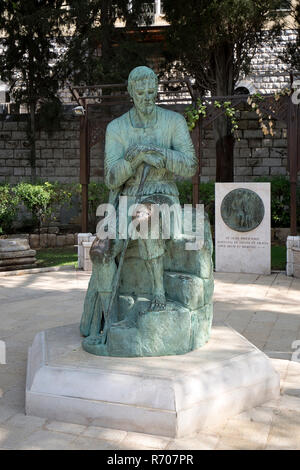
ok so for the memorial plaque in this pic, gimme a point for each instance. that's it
(242, 210)
(242, 228)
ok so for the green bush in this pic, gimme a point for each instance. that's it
(280, 200)
(98, 194)
(185, 189)
(206, 195)
(41, 199)
(8, 208)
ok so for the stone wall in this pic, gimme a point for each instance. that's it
(254, 154)
(52, 240)
(58, 153)
(268, 73)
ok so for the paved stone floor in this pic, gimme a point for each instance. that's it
(265, 309)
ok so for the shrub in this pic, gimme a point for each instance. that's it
(185, 189)
(98, 194)
(8, 208)
(41, 199)
(206, 195)
(280, 200)
(44, 199)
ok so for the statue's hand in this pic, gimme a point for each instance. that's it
(133, 152)
(134, 156)
(155, 149)
(137, 154)
(154, 159)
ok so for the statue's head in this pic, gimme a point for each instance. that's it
(142, 87)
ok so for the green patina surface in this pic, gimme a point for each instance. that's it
(163, 304)
(242, 210)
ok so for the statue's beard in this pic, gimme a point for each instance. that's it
(147, 109)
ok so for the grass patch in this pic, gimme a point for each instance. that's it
(68, 256)
(64, 256)
(278, 257)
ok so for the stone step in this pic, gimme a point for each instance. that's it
(17, 261)
(17, 267)
(14, 244)
(17, 254)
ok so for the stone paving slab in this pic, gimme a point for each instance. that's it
(265, 309)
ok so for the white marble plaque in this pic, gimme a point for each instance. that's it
(243, 228)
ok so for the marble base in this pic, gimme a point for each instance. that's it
(171, 396)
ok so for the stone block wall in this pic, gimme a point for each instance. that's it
(58, 153)
(268, 73)
(255, 155)
(52, 240)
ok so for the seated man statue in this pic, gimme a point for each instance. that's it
(146, 135)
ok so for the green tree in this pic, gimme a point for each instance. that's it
(99, 52)
(31, 30)
(214, 41)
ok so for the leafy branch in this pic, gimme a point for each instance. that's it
(193, 113)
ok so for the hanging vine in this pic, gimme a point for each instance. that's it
(265, 120)
(193, 113)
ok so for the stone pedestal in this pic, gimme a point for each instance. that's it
(171, 396)
(15, 253)
(85, 241)
(293, 256)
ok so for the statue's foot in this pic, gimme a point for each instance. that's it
(158, 303)
(93, 339)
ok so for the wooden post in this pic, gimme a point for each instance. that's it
(293, 207)
(196, 137)
(293, 160)
(84, 172)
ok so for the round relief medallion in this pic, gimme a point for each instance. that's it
(242, 210)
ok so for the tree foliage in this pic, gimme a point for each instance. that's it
(99, 52)
(292, 53)
(31, 31)
(30, 28)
